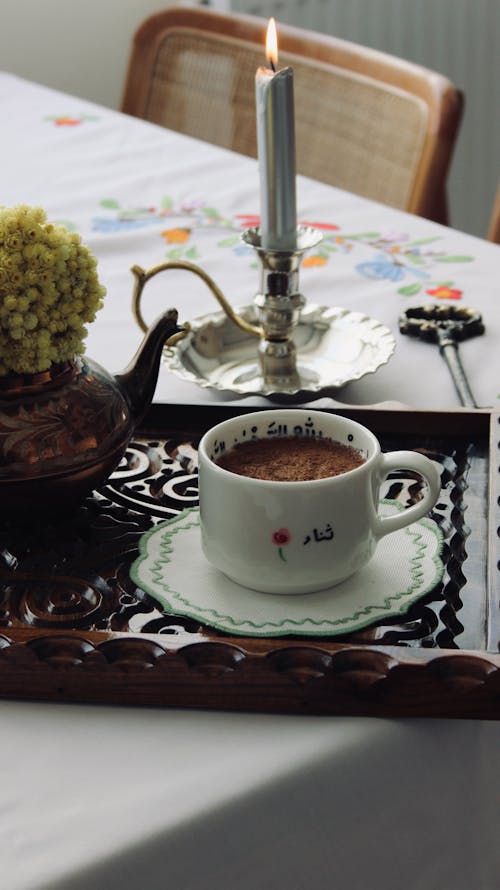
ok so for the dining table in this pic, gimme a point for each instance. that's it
(109, 781)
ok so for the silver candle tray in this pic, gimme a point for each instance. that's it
(334, 346)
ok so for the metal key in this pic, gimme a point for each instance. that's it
(446, 326)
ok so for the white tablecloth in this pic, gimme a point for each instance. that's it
(106, 797)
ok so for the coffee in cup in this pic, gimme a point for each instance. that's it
(290, 458)
(298, 535)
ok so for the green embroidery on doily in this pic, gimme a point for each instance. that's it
(393, 604)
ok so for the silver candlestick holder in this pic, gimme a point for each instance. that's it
(278, 305)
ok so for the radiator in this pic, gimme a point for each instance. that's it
(459, 38)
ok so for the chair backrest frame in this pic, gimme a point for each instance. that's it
(442, 101)
(494, 224)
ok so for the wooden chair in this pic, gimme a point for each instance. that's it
(365, 121)
(494, 226)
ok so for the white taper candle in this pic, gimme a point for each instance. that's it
(276, 153)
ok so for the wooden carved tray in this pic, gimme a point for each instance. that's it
(74, 627)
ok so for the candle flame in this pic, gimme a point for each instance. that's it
(272, 44)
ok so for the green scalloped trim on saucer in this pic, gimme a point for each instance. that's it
(151, 575)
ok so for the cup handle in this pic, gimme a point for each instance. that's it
(408, 460)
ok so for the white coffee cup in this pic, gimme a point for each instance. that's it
(299, 537)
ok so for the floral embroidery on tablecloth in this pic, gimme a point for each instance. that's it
(409, 264)
(70, 120)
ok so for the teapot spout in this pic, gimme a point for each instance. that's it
(138, 380)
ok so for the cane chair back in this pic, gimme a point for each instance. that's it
(365, 121)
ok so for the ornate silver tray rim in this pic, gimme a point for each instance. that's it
(216, 354)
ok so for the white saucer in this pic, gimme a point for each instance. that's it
(172, 569)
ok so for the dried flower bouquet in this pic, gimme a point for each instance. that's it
(49, 291)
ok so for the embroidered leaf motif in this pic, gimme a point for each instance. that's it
(454, 259)
(414, 258)
(409, 290)
(359, 237)
(110, 204)
(424, 241)
(175, 253)
(228, 242)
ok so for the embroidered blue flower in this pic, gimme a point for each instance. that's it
(102, 224)
(381, 268)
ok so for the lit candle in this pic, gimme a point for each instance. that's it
(276, 150)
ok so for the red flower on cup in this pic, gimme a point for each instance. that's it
(281, 538)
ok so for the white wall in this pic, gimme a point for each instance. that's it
(79, 46)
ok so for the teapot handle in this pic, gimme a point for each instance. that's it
(142, 277)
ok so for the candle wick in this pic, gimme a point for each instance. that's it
(273, 66)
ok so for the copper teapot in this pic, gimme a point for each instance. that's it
(64, 431)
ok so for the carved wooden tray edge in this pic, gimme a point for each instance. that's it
(284, 677)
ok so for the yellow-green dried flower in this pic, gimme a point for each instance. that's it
(49, 290)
